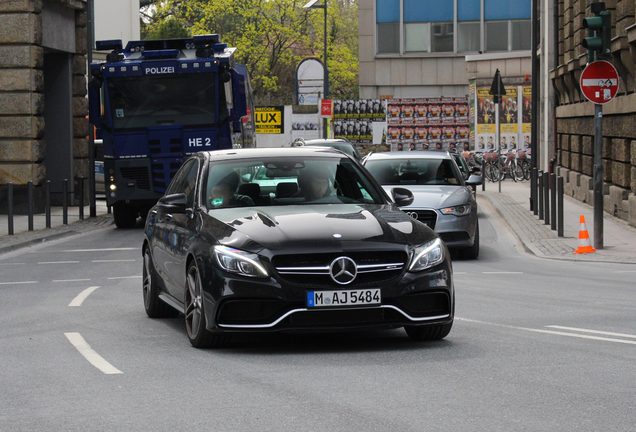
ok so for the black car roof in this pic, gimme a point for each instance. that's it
(273, 152)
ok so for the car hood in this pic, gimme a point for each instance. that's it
(315, 227)
(434, 196)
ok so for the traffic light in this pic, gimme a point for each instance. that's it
(599, 33)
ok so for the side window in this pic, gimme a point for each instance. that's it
(185, 181)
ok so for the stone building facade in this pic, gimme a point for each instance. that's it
(43, 105)
(575, 115)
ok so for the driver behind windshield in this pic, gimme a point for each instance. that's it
(223, 193)
(314, 184)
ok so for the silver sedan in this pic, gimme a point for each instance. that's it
(443, 200)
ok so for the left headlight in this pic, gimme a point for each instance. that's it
(460, 210)
(427, 256)
(239, 262)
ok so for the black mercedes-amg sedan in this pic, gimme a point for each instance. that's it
(291, 239)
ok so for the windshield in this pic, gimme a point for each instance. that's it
(414, 171)
(185, 99)
(288, 181)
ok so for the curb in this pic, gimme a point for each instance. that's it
(56, 233)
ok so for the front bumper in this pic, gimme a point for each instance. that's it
(411, 299)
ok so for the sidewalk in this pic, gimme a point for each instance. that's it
(513, 206)
(22, 237)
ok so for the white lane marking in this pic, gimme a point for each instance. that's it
(625, 335)
(58, 262)
(100, 250)
(79, 299)
(89, 354)
(125, 277)
(113, 261)
(502, 272)
(18, 283)
(71, 280)
(626, 271)
(557, 333)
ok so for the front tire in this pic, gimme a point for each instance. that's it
(198, 334)
(428, 333)
(473, 251)
(125, 216)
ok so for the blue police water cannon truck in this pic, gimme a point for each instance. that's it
(157, 101)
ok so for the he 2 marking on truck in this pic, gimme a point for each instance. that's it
(199, 142)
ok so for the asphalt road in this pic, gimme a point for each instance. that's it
(537, 345)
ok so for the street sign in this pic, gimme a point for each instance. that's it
(497, 88)
(326, 108)
(599, 82)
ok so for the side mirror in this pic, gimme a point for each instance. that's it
(175, 203)
(402, 197)
(474, 180)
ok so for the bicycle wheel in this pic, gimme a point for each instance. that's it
(526, 169)
(517, 171)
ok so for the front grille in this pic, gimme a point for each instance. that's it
(373, 267)
(429, 217)
(175, 145)
(344, 318)
(154, 145)
(159, 180)
(139, 175)
(424, 304)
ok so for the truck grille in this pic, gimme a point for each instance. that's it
(139, 175)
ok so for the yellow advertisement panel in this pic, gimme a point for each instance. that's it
(269, 120)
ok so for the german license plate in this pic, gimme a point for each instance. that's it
(317, 299)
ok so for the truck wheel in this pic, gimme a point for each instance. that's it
(125, 217)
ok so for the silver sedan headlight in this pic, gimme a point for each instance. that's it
(460, 210)
(427, 256)
(239, 262)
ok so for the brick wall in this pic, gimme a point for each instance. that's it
(575, 122)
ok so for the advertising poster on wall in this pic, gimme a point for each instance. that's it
(305, 126)
(269, 120)
(354, 119)
(428, 124)
(526, 117)
(514, 118)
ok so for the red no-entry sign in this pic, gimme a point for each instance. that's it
(599, 82)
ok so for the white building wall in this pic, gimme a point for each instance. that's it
(117, 19)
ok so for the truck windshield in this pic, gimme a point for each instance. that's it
(184, 99)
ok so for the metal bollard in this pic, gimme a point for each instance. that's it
(546, 198)
(30, 204)
(47, 203)
(109, 209)
(560, 189)
(540, 193)
(483, 175)
(81, 197)
(533, 185)
(10, 208)
(65, 202)
(553, 202)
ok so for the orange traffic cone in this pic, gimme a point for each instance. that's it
(584, 239)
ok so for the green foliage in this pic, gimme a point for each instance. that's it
(271, 36)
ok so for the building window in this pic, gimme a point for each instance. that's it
(417, 37)
(521, 35)
(497, 36)
(388, 25)
(468, 36)
(428, 26)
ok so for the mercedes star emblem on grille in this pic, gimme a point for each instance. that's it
(343, 270)
(413, 215)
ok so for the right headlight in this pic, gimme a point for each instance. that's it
(426, 256)
(239, 262)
